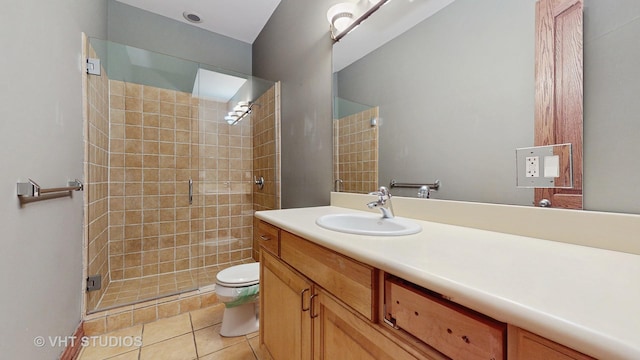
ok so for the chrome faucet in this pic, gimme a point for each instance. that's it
(383, 203)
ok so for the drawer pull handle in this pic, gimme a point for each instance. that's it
(311, 305)
(465, 338)
(265, 238)
(302, 300)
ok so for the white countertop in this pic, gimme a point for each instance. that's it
(584, 298)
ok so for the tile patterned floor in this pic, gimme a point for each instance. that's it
(126, 292)
(190, 336)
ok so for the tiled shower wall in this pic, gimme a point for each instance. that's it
(97, 181)
(266, 131)
(224, 189)
(150, 167)
(159, 140)
(356, 152)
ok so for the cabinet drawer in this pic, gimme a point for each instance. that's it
(524, 345)
(268, 237)
(455, 331)
(348, 280)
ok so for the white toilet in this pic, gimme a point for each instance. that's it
(237, 287)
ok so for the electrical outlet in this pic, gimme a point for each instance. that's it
(533, 166)
(546, 166)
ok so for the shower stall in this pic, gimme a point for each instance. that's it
(169, 172)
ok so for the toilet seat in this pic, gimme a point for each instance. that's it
(239, 275)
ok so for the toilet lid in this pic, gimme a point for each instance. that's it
(239, 275)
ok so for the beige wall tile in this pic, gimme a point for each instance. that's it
(119, 321)
(190, 304)
(168, 309)
(144, 315)
(95, 327)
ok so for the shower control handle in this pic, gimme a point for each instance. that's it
(190, 191)
(259, 180)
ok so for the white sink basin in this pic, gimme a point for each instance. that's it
(368, 224)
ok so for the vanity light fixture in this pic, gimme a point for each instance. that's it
(346, 16)
(239, 112)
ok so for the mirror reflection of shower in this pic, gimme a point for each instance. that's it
(355, 149)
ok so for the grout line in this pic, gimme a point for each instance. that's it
(142, 339)
(193, 336)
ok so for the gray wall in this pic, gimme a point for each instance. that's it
(295, 48)
(41, 137)
(612, 109)
(132, 26)
(456, 97)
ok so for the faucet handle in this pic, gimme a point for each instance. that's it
(383, 194)
(424, 192)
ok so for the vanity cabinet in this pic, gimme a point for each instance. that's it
(285, 323)
(318, 304)
(341, 334)
(303, 311)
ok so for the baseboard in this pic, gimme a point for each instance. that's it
(73, 348)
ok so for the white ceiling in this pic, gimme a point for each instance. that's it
(239, 19)
(244, 19)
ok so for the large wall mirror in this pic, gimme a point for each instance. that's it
(453, 97)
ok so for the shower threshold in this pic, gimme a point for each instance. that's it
(132, 291)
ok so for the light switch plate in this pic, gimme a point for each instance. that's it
(544, 166)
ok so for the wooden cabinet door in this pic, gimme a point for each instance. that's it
(558, 93)
(340, 334)
(285, 323)
(524, 345)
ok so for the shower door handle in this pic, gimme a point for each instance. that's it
(190, 191)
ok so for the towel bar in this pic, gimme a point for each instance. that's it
(434, 186)
(31, 191)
